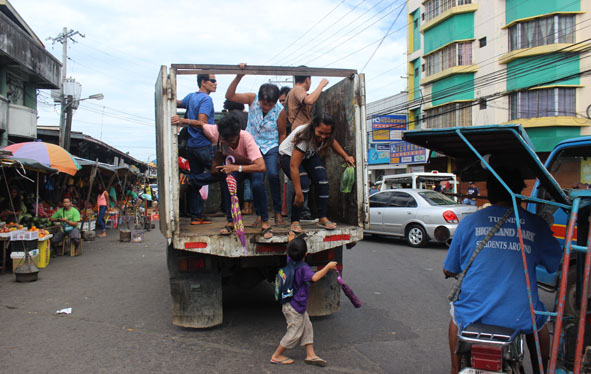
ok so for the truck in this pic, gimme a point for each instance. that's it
(200, 261)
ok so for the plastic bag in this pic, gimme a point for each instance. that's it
(204, 191)
(348, 179)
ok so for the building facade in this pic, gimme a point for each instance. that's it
(25, 67)
(496, 62)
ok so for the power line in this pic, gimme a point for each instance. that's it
(382, 14)
(312, 49)
(307, 31)
(346, 40)
(322, 32)
(384, 38)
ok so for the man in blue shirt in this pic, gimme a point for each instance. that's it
(199, 106)
(494, 291)
(473, 193)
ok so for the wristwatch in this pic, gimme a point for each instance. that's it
(240, 168)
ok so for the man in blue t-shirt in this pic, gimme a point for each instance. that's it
(199, 106)
(494, 290)
(473, 193)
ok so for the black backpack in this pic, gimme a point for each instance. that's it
(284, 281)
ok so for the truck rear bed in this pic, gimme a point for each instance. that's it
(206, 238)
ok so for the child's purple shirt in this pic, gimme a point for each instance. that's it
(303, 278)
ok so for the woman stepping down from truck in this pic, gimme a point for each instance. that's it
(267, 131)
(249, 164)
(302, 160)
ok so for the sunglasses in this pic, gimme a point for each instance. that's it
(212, 80)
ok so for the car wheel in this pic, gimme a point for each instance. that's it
(416, 236)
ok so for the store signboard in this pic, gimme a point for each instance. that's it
(386, 146)
(388, 128)
(406, 153)
(379, 154)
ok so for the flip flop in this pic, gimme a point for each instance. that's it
(268, 230)
(228, 230)
(256, 224)
(280, 223)
(316, 361)
(287, 361)
(327, 225)
(296, 227)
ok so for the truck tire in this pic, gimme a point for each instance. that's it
(196, 295)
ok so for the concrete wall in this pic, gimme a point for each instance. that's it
(28, 57)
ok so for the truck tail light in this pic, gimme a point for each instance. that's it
(486, 357)
(191, 264)
(450, 217)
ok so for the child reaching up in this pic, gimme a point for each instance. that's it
(299, 327)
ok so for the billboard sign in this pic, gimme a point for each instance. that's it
(386, 146)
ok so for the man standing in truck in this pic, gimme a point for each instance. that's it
(199, 106)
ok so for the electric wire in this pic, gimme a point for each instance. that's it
(307, 31)
(313, 49)
(384, 38)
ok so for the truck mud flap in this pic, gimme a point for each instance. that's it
(197, 300)
(325, 296)
(196, 295)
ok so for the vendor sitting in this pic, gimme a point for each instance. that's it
(6, 208)
(69, 217)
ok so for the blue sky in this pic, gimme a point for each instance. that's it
(127, 41)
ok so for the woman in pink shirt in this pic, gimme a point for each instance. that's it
(101, 201)
(249, 164)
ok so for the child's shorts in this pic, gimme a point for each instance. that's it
(299, 328)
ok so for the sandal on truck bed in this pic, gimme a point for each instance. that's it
(227, 230)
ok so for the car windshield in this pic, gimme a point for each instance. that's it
(435, 198)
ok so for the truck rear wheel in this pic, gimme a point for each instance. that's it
(196, 293)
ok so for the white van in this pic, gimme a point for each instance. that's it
(423, 180)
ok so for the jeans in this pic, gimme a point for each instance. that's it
(200, 163)
(272, 163)
(247, 190)
(468, 201)
(101, 217)
(305, 212)
(312, 170)
(257, 181)
(59, 236)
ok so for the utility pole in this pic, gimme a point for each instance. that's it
(66, 106)
(68, 127)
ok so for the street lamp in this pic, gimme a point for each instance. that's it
(71, 103)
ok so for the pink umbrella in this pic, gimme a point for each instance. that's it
(48, 154)
(235, 206)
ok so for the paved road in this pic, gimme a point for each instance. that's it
(120, 321)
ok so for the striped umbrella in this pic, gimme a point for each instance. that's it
(235, 206)
(47, 154)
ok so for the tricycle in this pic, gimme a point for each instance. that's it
(478, 153)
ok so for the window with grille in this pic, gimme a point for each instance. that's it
(433, 8)
(456, 54)
(450, 115)
(550, 102)
(554, 29)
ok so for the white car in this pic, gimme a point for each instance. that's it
(414, 214)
